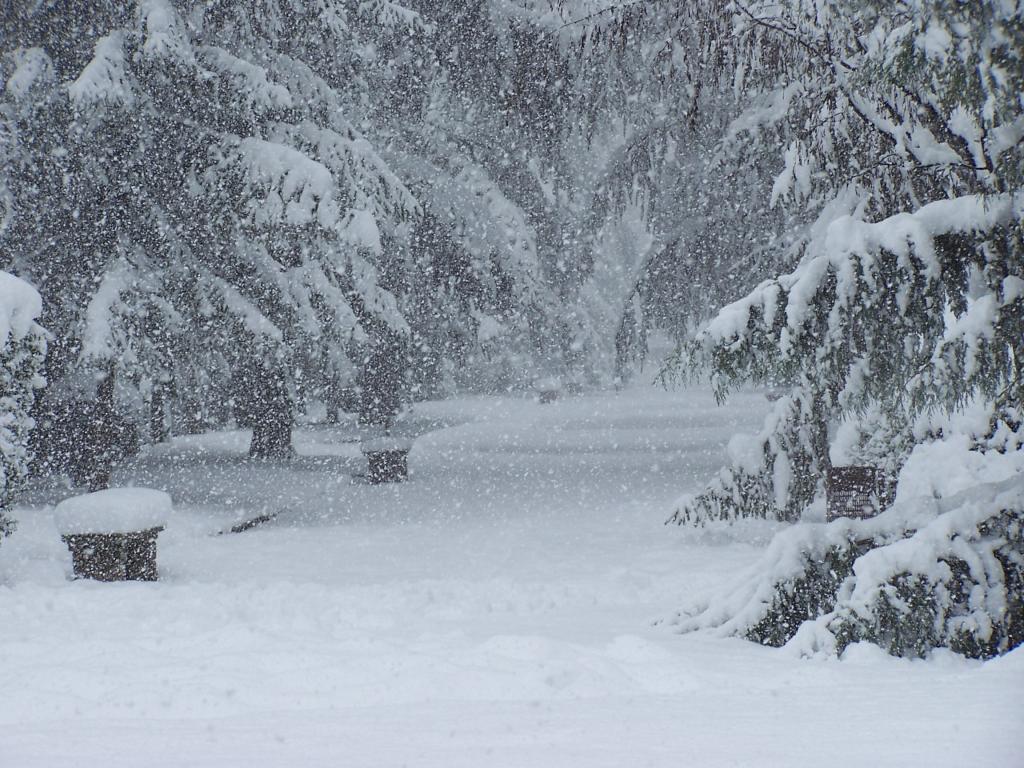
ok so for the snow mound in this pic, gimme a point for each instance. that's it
(115, 510)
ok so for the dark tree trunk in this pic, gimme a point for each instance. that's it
(159, 430)
(381, 391)
(106, 438)
(272, 437)
(191, 422)
(99, 476)
(263, 404)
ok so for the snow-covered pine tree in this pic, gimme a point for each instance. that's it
(891, 323)
(22, 349)
(681, 227)
(201, 171)
(232, 200)
(878, 117)
(488, 160)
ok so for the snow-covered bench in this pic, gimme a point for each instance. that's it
(112, 533)
(386, 459)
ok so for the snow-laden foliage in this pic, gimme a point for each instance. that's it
(271, 185)
(749, 123)
(899, 127)
(654, 84)
(274, 183)
(22, 348)
(490, 157)
(917, 311)
(943, 567)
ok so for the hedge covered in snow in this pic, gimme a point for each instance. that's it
(22, 347)
(943, 567)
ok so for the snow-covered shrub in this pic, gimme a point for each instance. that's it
(22, 348)
(944, 566)
(968, 596)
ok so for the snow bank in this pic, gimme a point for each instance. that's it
(115, 510)
(495, 612)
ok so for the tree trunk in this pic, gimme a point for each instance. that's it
(107, 439)
(159, 430)
(99, 476)
(269, 413)
(380, 397)
(271, 437)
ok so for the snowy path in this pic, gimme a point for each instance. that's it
(496, 610)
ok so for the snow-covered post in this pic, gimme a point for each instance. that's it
(22, 349)
(549, 389)
(858, 491)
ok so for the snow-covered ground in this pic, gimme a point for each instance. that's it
(499, 609)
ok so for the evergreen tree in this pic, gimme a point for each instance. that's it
(878, 144)
(22, 347)
(229, 196)
(908, 115)
(685, 226)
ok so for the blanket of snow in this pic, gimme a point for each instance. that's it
(114, 510)
(498, 609)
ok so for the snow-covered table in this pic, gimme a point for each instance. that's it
(112, 533)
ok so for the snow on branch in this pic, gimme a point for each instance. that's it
(280, 184)
(865, 290)
(250, 81)
(31, 67)
(98, 335)
(251, 318)
(391, 15)
(165, 35)
(105, 77)
(20, 307)
(363, 180)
